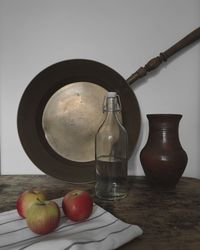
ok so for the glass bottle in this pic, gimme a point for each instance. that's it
(111, 152)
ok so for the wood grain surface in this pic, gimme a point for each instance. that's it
(170, 218)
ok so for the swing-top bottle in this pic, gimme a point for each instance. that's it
(111, 152)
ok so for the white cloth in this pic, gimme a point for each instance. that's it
(100, 231)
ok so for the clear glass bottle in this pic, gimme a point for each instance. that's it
(111, 153)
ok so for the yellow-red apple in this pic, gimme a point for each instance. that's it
(43, 217)
(26, 199)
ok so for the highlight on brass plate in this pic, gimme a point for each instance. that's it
(71, 119)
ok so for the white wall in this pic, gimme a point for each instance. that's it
(123, 34)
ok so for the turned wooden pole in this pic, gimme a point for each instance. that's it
(156, 61)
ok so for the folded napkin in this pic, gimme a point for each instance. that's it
(100, 231)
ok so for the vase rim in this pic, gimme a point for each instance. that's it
(164, 115)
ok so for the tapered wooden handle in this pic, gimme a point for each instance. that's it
(156, 61)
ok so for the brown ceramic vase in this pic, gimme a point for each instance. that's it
(163, 158)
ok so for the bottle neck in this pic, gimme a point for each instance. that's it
(111, 117)
(111, 108)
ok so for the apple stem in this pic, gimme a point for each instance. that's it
(76, 193)
(40, 201)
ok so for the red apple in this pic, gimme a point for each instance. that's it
(77, 205)
(43, 217)
(26, 199)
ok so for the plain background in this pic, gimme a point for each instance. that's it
(124, 34)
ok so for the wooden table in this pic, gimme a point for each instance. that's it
(170, 218)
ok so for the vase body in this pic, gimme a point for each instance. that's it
(163, 158)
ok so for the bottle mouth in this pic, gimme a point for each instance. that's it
(112, 102)
(111, 94)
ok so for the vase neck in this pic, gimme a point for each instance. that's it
(164, 121)
(164, 128)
